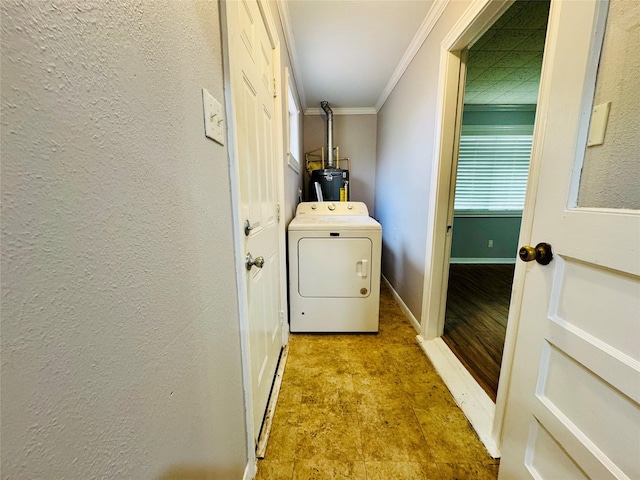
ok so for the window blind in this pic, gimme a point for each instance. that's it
(493, 166)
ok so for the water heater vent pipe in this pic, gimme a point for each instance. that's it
(327, 109)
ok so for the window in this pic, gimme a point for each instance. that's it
(293, 155)
(493, 165)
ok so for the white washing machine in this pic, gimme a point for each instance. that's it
(334, 268)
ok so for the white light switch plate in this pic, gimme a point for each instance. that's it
(598, 127)
(213, 118)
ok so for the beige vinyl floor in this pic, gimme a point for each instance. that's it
(369, 406)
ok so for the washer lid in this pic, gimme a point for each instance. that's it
(331, 222)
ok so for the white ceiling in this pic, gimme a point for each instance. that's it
(352, 52)
(346, 51)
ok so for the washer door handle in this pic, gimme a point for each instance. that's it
(362, 268)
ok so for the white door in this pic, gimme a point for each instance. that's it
(252, 78)
(572, 403)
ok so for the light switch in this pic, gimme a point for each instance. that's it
(214, 121)
(598, 127)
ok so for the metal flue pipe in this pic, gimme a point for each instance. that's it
(331, 163)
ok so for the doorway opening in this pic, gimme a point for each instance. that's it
(490, 176)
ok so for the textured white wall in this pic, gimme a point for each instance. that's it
(356, 137)
(120, 343)
(405, 143)
(611, 173)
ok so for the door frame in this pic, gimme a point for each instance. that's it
(485, 416)
(238, 236)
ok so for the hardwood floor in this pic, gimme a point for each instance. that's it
(476, 319)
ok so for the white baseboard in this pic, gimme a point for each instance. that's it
(469, 396)
(403, 306)
(458, 260)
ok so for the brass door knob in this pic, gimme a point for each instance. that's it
(541, 253)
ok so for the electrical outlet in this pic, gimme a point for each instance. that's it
(213, 118)
(490, 244)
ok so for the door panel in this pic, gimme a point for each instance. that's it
(547, 458)
(267, 175)
(573, 399)
(559, 368)
(251, 62)
(246, 24)
(248, 151)
(577, 302)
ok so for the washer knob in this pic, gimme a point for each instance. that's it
(314, 206)
(350, 207)
(331, 207)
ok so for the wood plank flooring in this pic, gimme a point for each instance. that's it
(476, 319)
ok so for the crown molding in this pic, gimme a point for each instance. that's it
(285, 21)
(423, 32)
(343, 111)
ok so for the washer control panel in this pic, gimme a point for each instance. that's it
(332, 208)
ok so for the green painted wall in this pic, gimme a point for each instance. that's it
(471, 237)
(471, 234)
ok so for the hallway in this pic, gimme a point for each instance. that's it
(369, 407)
